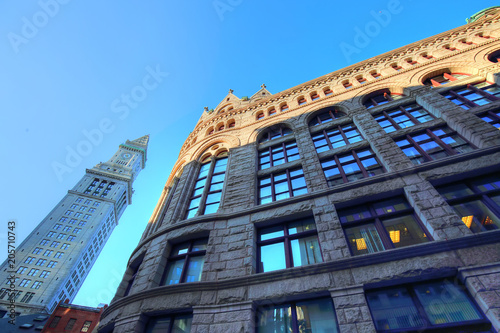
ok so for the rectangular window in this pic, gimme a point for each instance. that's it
(83, 208)
(78, 214)
(492, 117)
(21, 270)
(69, 212)
(298, 317)
(278, 154)
(474, 95)
(48, 253)
(71, 238)
(29, 260)
(57, 226)
(61, 236)
(282, 185)
(78, 200)
(476, 200)
(37, 250)
(66, 228)
(27, 297)
(431, 305)
(63, 219)
(44, 242)
(86, 216)
(288, 245)
(41, 262)
(91, 210)
(54, 322)
(351, 166)
(4, 292)
(33, 272)
(336, 137)
(96, 204)
(381, 225)
(59, 255)
(87, 323)
(88, 202)
(74, 206)
(82, 223)
(402, 117)
(51, 234)
(55, 244)
(37, 285)
(70, 324)
(433, 144)
(207, 192)
(24, 282)
(72, 221)
(52, 264)
(77, 230)
(65, 246)
(185, 263)
(44, 274)
(170, 324)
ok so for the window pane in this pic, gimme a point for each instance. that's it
(393, 309)
(194, 269)
(272, 257)
(390, 206)
(477, 217)
(404, 231)
(489, 183)
(182, 324)
(455, 191)
(281, 187)
(445, 302)
(306, 251)
(301, 226)
(199, 245)
(354, 214)
(174, 272)
(364, 239)
(158, 325)
(272, 232)
(180, 249)
(215, 197)
(275, 320)
(317, 316)
(211, 208)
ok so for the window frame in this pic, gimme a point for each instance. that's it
(331, 111)
(402, 111)
(172, 318)
(371, 102)
(288, 180)
(286, 240)
(341, 129)
(287, 157)
(184, 256)
(472, 89)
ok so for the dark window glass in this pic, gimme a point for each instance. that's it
(381, 225)
(433, 144)
(86, 326)
(326, 116)
(403, 117)
(491, 117)
(54, 322)
(207, 192)
(288, 245)
(278, 154)
(282, 185)
(431, 305)
(314, 316)
(275, 133)
(352, 166)
(477, 201)
(438, 80)
(336, 137)
(170, 324)
(70, 324)
(185, 263)
(381, 97)
(474, 95)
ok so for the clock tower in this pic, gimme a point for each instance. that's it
(54, 260)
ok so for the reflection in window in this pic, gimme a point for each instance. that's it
(402, 117)
(313, 316)
(351, 166)
(492, 117)
(185, 263)
(288, 245)
(336, 137)
(326, 116)
(207, 192)
(430, 305)
(381, 225)
(476, 201)
(282, 185)
(278, 154)
(381, 98)
(170, 324)
(274, 133)
(474, 95)
(433, 144)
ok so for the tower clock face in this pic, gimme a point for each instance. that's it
(126, 156)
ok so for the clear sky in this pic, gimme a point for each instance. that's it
(67, 65)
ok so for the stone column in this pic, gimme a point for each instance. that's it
(228, 318)
(352, 310)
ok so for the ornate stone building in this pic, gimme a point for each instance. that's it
(365, 200)
(51, 264)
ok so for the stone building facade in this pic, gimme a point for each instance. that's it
(365, 200)
(51, 264)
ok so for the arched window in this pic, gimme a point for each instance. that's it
(284, 107)
(221, 127)
(438, 80)
(275, 132)
(272, 111)
(210, 131)
(260, 115)
(328, 91)
(302, 100)
(380, 97)
(376, 75)
(326, 116)
(494, 57)
(231, 124)
(314, 96)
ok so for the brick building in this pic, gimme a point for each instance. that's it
(364, 200)
(72, 318)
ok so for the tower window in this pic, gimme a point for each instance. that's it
(185, 263)
(288, 245)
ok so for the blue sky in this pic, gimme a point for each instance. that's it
(63, 72)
